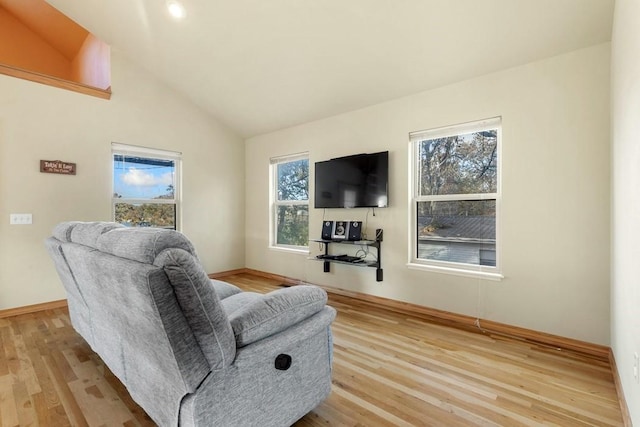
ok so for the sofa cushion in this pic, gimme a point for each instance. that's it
(87, 233)
(274, 312)
(142, 244)
(201, 306)
(224, 289)
(235, 302)
(62, 231)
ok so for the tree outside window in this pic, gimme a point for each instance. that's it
(291, 201)
(456, 189)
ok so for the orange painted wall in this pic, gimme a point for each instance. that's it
(20, 47)
(92, 64)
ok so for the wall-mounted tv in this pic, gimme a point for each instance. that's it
(359, 181)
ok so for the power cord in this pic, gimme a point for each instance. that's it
(363, 252)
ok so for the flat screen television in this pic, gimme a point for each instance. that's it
(359, 181)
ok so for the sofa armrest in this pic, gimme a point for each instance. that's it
(274, 312)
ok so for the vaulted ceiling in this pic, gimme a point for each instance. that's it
(262, 65)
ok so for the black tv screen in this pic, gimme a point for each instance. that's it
(359, 181)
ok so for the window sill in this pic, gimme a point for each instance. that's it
(457, 271)
(290, 249)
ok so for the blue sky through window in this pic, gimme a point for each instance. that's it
(142, 177)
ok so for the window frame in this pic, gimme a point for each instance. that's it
(138, 151)
(274, 203)
(452, 267)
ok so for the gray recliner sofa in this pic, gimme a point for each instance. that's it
(191, 350)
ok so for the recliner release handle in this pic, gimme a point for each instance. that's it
(283, 362)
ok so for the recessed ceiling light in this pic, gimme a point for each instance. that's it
(176, 9)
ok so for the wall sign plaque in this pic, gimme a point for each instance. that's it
(57, 166)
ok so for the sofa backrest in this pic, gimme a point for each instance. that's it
(154, 318)
(78, 309)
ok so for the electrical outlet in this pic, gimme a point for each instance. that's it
(20, 219)
(636, 374)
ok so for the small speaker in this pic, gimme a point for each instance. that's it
(355, 230)
(340, 230)
(327, 229)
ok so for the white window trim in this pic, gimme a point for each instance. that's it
(453, 268)
(274, 202)
(134, 150)
(455, 271)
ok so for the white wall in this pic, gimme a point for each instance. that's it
(41, 122)
(625, 285)
(555, 217)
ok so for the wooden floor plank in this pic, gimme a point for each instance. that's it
(23, 403)
(8, 404)
(391, 368)
(67, 398)
(97, 399)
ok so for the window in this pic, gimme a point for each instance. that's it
(290, 202)
(456, 197)
(146, 187)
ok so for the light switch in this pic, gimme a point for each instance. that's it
(20, 219)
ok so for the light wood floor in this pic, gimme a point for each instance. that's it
(390, 369)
